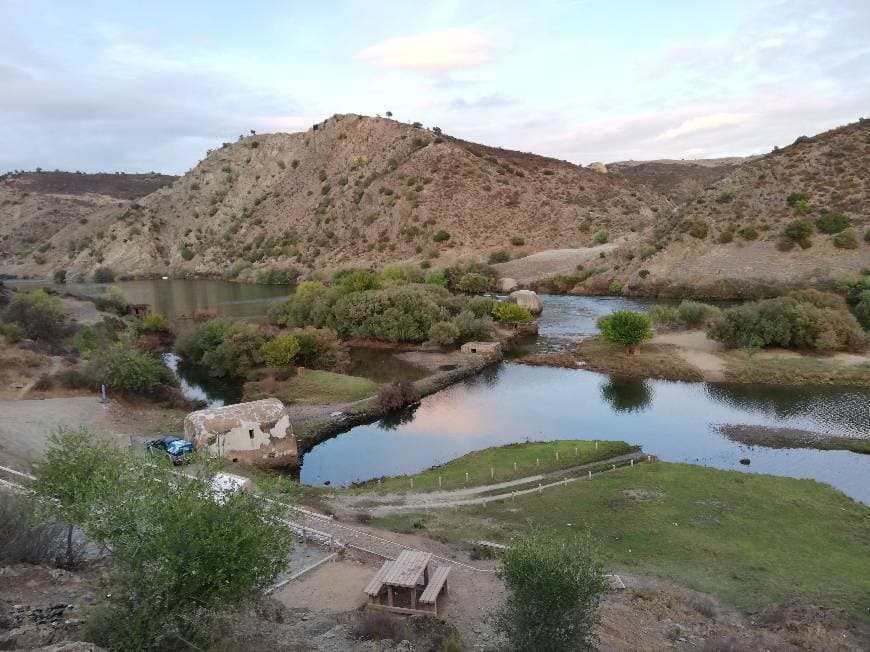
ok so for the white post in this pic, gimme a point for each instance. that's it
(614, 467)
(515, 467)
(491, 473)
(557, 456)
(412, 483)
(596, 445)
(540, 489)
(632, 462)
(538, 461)
(575, 451)
(379, 483)
(649, 458)
(590, 475)
(439, 481)
(466, 477)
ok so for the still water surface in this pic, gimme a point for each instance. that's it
(673, 420)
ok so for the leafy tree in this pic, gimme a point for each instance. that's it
(129, 370)
(356, 280)
(100, 336)
(862, 310)
(279, 352)
(308, 288)
(194, 344)
(39, 315)
(239, 351)
(153, 323)
(554, 589)
(506, 311)
(60, 276)
(104, 275)
(180, 555)
(626, 328)
(443, 333)
(436, 278)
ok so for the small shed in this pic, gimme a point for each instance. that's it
(140, 309)
(258, 433)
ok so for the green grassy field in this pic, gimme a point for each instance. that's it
(531, 459)
(786, 370)
(750, 539)
(317, 388)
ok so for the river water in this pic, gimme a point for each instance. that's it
(674, 420)
(509, 402)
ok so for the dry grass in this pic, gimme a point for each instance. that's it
(652, 361)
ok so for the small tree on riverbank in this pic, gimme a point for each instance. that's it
(626, 328)
(181, 552)
(554, 589)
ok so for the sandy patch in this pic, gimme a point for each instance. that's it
(332, 586)
(695, 348)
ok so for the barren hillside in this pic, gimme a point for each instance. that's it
(365, 191)
(351, 190)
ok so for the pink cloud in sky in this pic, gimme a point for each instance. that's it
(438, 51)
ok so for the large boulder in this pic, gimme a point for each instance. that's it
(506, 284)
(598, 167)
(528, 300)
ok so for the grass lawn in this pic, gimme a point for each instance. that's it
(316, 388)
(531, 459)
(787, 370)
(750, 539)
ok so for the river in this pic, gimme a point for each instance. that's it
(675, 421)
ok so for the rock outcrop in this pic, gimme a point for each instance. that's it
(528, 300)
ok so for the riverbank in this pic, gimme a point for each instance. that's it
(752, 540)
(691, 356)
(312, 427)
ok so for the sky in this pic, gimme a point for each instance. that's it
(141, 86)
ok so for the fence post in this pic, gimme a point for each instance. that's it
(614, 467)
(540, 489)
(590, 475)
(557, 456)
(649, 458)
(466, 477)
(491, 473)
(379, 483)
(632, 461)
(412, 483)
(538, 461)
(439, 481)
(515, 467)
(576, 454)
(596, 445)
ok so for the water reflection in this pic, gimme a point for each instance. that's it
(198, 386)
(627, 394)
(394, 420)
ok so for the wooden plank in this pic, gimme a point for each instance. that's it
(408, 568)
(400, 610)
(374, 587)
(439, 579)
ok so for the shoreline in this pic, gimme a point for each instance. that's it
(771, 437)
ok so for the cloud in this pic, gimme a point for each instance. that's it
(493, 101)
(704, 123)
(439, 51)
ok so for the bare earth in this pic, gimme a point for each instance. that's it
(697, 350)
(544, 264)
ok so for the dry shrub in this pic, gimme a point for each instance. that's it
(397, 395)
(25, 539)
(268, 385)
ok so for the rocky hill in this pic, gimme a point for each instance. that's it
(354, 190)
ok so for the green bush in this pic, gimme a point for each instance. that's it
(153, 323)
(443, 333)
(239, 351)
(805, 319)
(279, 352)
(798, 231)
(98, 337)
(867, 236)
(474, 283)
(802, 207)
(862, 310)
(355, 280)
(615, 286)
(481, 306)
(518, 241)
(664, 315)
(500, 256)
(625, 328)
(441, 236)
(506, 311)
(39, 315)
(698, 229)
(472, 328)
(400, 274)
(285, 276)
(726, 195)
(454, 275)
(321, 348)
(832, 223)
(554, 588)
(436, 278)
(600, 237)
(104, 275)
(694, 314)
(847, 239)
(60, 276)
(186, 252)
(126, 369)
(399, 314)
(748, 233)
(795, 197)
(12, 333)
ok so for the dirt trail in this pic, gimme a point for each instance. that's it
(544, 264)
(698, 351)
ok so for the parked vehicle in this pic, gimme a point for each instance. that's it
(178, 450)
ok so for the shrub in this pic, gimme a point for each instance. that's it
(805, 319)
(166, 581)
(726, 236)
(748, 233)
(441, 236)
(194, 344)
(481, 306)
(693, 313)
(39, 315)
(436, 278)
(28, 538)
(186, 252)
(847, 239)
(285, 276)
(321, 348)
(378, 626)
(129, 370)
(474, 283)
(554, 588)
(625, 328)
(615, 286)
(308, 288)
(798, 231)
(472, 328)
(397, 395)
(104, 275)
(726, 195)
(698, 229)
(279, 352)
(867, 236)
(795, 197)
(517, 241)
(500, 256)
(664, 315)
(400, 274)
(399, 314)
(443, 333)
(238, 352)
(355, 280)
(862, 310)
(832, 223)
(99, 336)
(152, 323)
(507, 311)
(60, 276)
(600, 237)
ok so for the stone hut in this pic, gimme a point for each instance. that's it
(490, 349)
(257, 434)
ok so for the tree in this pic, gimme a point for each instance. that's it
(799, 230)
(443, 333)
(389, 114)
(279, 352)
(180, 555)
(506, 311)
(104, 275)
(473, 283)
(554, 588)
(129, 370)
(39, 315)
(626, 328)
